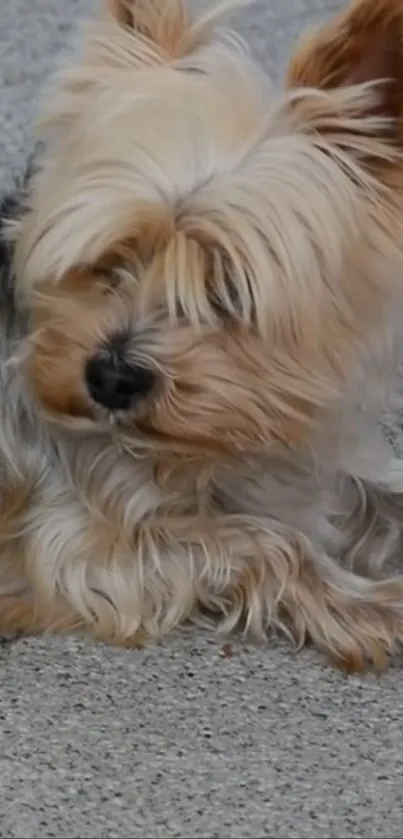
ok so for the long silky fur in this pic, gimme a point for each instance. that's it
(200, 509)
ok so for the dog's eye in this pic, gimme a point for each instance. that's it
(113, 279)
(107, 277)
(222, 308)
(229, 295)
(222, 294)
(225, 300)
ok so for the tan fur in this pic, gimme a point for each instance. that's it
(250, 251)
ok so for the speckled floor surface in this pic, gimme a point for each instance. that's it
(178, 741)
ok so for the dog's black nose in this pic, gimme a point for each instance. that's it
(115, 384)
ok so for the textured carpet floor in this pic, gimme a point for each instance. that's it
(178, 741)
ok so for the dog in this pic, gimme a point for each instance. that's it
(201, 327)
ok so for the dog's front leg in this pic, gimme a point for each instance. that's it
(240, 570)
(258, 574)
(279, 581)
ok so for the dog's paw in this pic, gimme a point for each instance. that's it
(364, 634)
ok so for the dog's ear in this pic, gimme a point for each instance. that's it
(364, 43)
(165, 23)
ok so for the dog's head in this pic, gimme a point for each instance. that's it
(204, 265)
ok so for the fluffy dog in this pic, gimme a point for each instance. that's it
(201, 314)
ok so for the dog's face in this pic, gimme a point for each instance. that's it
(203, 266)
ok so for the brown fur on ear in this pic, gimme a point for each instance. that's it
(166, 23)
(364, 43)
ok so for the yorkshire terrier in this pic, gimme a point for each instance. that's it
(201, 323)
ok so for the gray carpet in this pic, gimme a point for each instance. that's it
(179, 741)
